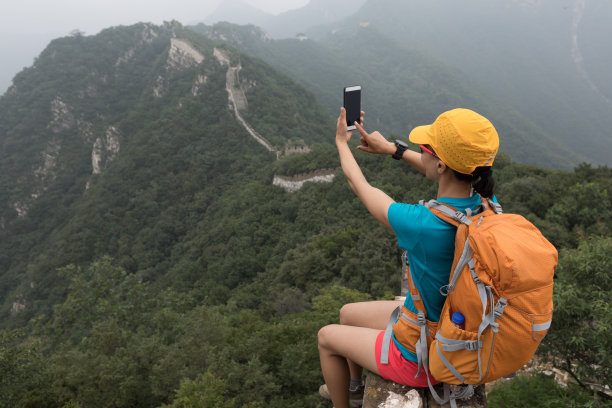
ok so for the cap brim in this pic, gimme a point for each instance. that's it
(421, 135)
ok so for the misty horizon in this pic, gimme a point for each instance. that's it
(26, 32)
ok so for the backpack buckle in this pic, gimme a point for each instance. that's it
(498, 311)
(421, 318)
(461, 217)
(473, 345)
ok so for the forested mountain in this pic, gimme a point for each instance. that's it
(101, 124)
(163, 241)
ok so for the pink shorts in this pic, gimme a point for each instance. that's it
(399, 369)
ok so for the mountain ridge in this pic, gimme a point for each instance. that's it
(81, 148)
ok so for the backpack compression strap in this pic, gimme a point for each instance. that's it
(422, 351)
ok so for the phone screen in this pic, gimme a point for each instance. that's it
(352, 104)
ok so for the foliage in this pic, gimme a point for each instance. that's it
(24, 372)
(587, 207)
(181, 275)
(203, 392)
(539, 391)
(582, 301)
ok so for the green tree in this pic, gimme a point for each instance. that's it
(580, 338)
(205, 391)
(539, 391)
(24, 375)
(586, 207)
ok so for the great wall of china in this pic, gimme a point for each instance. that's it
(237, 101)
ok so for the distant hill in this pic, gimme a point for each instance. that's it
(289, 23)
(547, 59)
(316, 12)
(238, 12)
(402, 88)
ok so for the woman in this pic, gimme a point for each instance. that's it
(457, 152)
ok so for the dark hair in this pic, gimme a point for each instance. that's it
(481, 179)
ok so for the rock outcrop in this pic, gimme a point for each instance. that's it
(104, 149)
(182, 55)
(380, 393)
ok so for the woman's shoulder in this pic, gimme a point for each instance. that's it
(412, 214)
(406, 208)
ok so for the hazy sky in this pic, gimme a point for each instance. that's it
(27, 26)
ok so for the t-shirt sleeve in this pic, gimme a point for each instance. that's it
(405, 220)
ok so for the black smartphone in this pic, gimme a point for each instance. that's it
(352, 104)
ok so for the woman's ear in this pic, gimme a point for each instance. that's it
(441, 167)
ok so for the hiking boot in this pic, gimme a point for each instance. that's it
(355, 395)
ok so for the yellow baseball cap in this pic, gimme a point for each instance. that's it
(462, 138)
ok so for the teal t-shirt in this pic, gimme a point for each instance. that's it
(430, 245)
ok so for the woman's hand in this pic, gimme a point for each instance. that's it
(374, 142)
(343, 135)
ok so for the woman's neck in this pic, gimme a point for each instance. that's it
(449, 186)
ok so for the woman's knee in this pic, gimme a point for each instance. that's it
(347, 314)
(325, 336)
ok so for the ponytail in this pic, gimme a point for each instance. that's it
(484, 183)
(481, 179)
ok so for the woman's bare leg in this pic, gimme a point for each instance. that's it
(337, 343)
(345, 348)
(374, 315)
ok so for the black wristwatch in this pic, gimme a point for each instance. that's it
(401, 148)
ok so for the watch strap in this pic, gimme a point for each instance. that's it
(401, 148)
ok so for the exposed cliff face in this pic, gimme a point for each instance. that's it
(45, 173)
(62, 116)
(147, 36)
(182, 55)
(105, 149)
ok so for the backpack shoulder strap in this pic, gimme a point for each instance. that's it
(447, 213)
(455, 217)
(495, 207)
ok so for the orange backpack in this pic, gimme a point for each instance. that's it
(501, 281)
